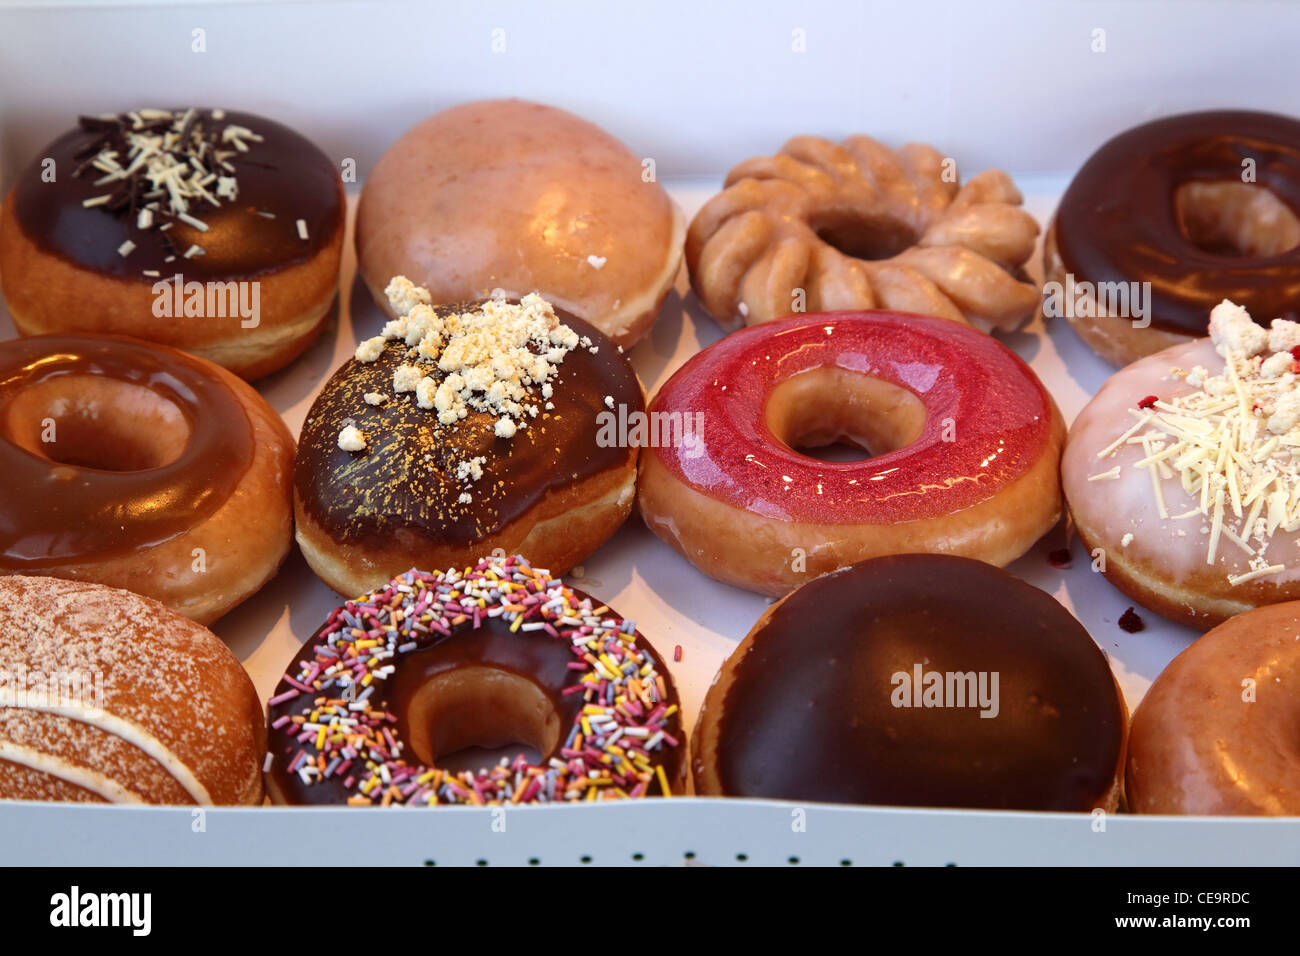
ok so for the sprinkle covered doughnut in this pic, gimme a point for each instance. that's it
(140, 467)
(106, 696)
(499, 654)
(916, 680)
(216, 232)
(966, 441)
(465, 430)
(1215, 733)
(1183, 472)
(822, 226)
(1198, 207)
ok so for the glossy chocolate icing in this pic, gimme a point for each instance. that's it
(988, 418)
(534, 656)
(53, 513)
(809, 714)
(284, 175)
(1118, 221)
(391, 489)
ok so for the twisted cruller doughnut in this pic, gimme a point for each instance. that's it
(860, 226)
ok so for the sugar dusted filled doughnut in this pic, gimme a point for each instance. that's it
(1182, 472)
(140, 467)
(521, 197)
(460, 431)
(856, 225)
(1169, 218)
(498, 654)
(966, 440)
(1215, 733)
(106, 696)
(915, 680)
(215, 232)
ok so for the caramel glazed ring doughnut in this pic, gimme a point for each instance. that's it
(1215, 733)
(500, 653)
(140, 467)
(916, 680)
(859, 226)
(417, 490)
(106, 696)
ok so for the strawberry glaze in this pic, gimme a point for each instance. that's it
(1000, 418)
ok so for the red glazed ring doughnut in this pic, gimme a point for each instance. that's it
(966, 445)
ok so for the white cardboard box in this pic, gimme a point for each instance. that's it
(1030, 87)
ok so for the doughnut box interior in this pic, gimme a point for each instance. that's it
(1027, 87)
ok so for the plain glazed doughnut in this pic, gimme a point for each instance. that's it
(498, 654)
(464, 431)
(822, 226)
(224, 240)
(915, 680)
(1167, 205)
(106, 696)
(966, 441)
(140, 467)
(1216, 731)
(1181, 474)
(518, 197)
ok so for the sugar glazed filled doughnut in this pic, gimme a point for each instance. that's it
(499, 654)
(1215, 733)
(140, 467)
(822, 226)
(1182, 472)
(519, 197)
(106, 696)
(916, 680)
(215, 232)
(461, 431)
(1169, 218)
(966, 440)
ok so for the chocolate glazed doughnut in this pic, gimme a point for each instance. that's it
(830, 696)
(82, 253)
(501, 653)
(1165, 203)
(553, 488)
(140, 467)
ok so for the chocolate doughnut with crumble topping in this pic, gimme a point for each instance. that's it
(216, 232)
(463, 431)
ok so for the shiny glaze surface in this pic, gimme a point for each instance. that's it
(53, 513)
(1118, 221)
(286, 175)
(809, 714)
(392, 489)
(999, 418)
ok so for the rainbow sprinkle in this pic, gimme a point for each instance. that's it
(334, 706)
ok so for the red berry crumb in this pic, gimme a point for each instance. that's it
(1295, 352)
(1129, 621)
(1059, 558)
(677, 653)
(1149, 401)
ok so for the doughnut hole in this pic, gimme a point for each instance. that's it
(833, 414)
(456, 716)
(864, 237)
(1235, 219)
(92, 421)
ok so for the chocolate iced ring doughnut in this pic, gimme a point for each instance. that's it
(497, 654)
(463, 431)
(916, 680)
(142, 468)
(1200, 207)
(216, 232)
